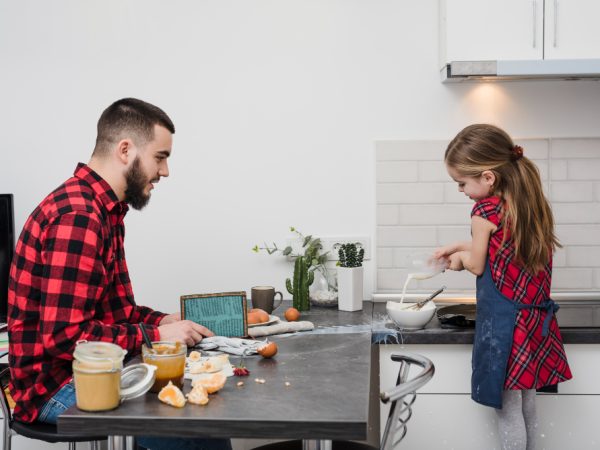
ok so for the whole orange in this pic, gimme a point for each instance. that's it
(291, 314)
(262, 315)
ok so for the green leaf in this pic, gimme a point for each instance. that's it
(306, 240)
(287, 250)
(315, 262)
(255, 249)
(292, 229)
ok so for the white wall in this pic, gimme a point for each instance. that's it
(277, 106)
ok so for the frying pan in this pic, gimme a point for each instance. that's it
(457, 316)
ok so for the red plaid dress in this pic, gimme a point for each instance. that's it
(535, 361)
(68, 282)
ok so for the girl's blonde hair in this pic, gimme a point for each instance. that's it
(525, 210)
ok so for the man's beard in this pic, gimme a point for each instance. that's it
(136, 183)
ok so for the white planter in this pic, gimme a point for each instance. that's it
(350, 288)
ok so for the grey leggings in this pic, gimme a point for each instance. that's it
(517, 421)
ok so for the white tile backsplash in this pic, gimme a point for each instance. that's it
(420, 208)
(572, 191)
(558, 170)
(583, 169)
(580, 212)
(410, 150)
(432, 171)
(434, 214)
(453, 233)
(584, 256)
(387, 214)
(405, 236)
(397, 171)
(575, 278)
(410, 193)
(575, 148)
(596, 278)
(588, 234)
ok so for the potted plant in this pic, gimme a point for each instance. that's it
(350, 277)
(306, 262)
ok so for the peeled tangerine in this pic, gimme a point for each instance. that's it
(194, 356)
(171, 395)
(212, 383)
(198, 395)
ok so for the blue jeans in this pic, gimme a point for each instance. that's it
(65, 398)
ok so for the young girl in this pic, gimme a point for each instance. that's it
(518, 347)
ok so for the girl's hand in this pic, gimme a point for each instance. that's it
(443, 252)
(455, 261)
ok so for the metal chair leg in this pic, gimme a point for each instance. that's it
(7, 438)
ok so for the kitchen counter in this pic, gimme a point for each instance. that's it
(374, 319)
(385, 332)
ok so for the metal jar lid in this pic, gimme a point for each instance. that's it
(136, 380)
(100, 353)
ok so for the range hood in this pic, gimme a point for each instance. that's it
(506, 70)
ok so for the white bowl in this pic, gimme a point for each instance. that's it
(410, 319)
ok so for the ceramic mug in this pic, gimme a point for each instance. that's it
(263, 297)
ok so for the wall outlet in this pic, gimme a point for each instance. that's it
(329, 242)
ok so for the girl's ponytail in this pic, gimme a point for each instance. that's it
(528, 215)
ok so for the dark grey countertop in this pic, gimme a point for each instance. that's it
(577, 318)
(328, 397)
(575, 322)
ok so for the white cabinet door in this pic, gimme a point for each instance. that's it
(445, 417)
(571, 29)
(483, 30)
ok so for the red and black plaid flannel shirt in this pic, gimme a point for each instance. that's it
(69, 282)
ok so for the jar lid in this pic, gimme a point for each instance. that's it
(136, 380)
(94, 352)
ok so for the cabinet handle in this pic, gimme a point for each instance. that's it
(534, 5)
(555, 22)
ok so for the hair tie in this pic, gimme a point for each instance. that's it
(517, 152)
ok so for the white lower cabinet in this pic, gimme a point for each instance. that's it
(445, 417)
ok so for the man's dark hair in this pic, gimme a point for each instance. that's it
(129, 118)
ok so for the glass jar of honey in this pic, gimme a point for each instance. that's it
(101, 383)
(169, 359)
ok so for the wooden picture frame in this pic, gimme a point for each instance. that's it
(225, 313)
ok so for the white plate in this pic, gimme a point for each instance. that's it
(272, 319)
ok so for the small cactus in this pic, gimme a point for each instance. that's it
(350, 255)
(303, 278)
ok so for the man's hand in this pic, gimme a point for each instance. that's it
(186, 331)
(170, 318)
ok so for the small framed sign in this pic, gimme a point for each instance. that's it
(225, 314)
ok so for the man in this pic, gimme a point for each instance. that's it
(69, 279)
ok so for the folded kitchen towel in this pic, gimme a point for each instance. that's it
(280, 327)
(233, 346)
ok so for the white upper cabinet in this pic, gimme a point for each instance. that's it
(488, 30)
(572, 29)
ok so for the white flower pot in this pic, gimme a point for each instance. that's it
(350, 288)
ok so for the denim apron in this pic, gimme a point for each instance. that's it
(494, 326)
